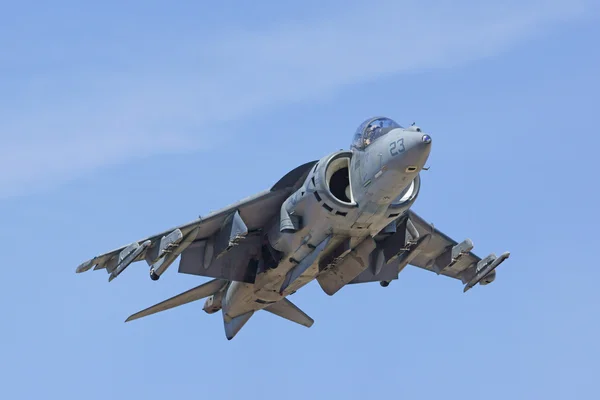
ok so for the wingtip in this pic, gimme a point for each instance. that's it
(84, 267)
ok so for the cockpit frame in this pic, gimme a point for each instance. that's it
(372, 129)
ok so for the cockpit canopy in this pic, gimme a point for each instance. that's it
(372, 129)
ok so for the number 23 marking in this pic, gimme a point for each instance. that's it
(397, 144)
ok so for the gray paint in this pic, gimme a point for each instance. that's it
(343, 219)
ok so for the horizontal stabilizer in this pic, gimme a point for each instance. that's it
(207, 289)
(233, 325)
(286, 309)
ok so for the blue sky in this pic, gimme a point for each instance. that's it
(121, 120)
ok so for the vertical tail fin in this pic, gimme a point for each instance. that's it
(233, 325)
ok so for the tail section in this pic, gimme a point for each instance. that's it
(286, 309)
(233, 325)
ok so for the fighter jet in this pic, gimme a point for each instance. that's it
(344, 219)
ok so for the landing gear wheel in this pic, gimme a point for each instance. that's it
(384, 283)
(153, 275)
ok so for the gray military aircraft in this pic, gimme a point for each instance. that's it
(343, 219)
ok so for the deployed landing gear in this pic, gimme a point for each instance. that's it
(153, 275)
(384, 283)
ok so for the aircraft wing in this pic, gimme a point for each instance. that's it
(223, 230)
(445, 256)
(429, 248)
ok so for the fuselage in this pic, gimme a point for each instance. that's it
(353, 194)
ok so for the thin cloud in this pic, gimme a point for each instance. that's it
(158, 101)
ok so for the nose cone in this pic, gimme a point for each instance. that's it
(417, 148)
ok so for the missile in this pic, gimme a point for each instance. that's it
(127, 256)
(484, 269)
(171, 246)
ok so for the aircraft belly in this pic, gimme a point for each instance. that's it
(344, 265)
(272, 280)
(357, 229)
(240, 299)
(303, 279)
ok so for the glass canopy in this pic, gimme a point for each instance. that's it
(371, 130)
